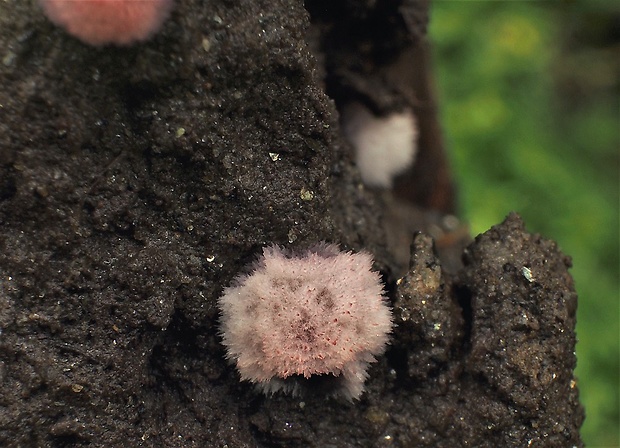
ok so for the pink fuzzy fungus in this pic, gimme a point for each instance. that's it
(319, 313)
(100, 22)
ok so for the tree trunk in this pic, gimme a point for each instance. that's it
(136, 182)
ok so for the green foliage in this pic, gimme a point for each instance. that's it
(529, 100)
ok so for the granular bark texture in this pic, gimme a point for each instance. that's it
(135, 183)
(520, 338)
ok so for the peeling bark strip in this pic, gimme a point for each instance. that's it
(136, 182)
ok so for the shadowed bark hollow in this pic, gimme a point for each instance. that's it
(135, 183)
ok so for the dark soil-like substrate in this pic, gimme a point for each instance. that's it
(136, 182)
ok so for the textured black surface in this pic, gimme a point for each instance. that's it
(135, 183)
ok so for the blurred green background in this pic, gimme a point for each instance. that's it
(530, 105)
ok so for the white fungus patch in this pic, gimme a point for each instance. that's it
(320, 313)
(384, 146)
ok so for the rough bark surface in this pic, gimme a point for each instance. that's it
(136, 182)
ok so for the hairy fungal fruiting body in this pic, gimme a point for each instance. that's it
(101, 22)
(316, 313)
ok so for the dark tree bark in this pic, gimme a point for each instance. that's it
(135, 183)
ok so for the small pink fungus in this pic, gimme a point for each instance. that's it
(101, 22)
(320, 313)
